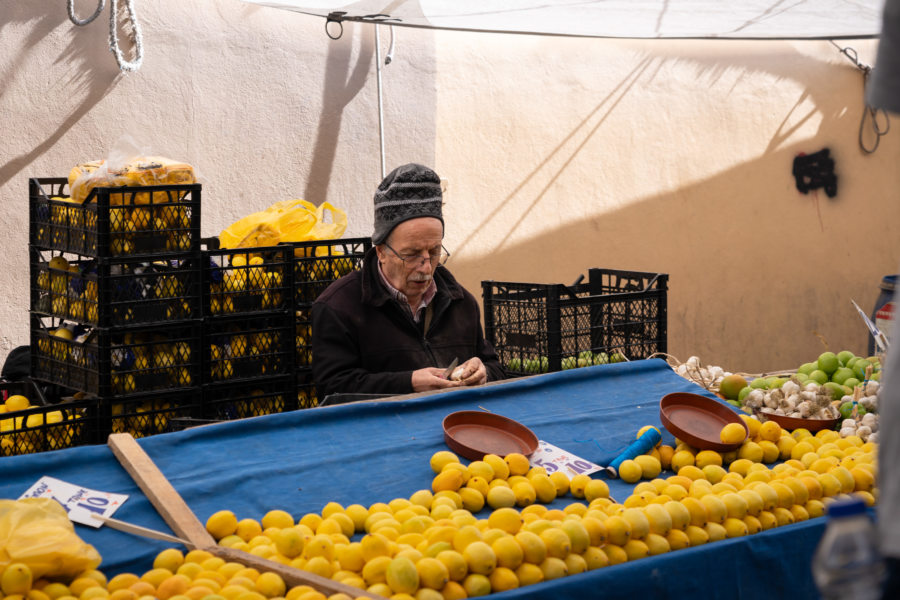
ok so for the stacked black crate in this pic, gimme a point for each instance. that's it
(248, 331)
(317, 265)
(116, 301)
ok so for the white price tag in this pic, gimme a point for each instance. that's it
(79, 502)
(553, 459)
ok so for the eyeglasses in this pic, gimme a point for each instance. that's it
(436, 256)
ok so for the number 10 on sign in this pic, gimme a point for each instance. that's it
(555, 459)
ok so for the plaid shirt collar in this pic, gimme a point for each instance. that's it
(427, 297)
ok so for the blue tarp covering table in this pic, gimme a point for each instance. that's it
(376, 451)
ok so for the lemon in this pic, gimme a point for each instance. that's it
(732, 433)
(506, 519)
(553, 568)
(479, 468)
(596, 488)
(500, 496)
(503, 579)
(529, 574)
(524, 492)
(170, 558)
(402, 576)
(650, 465)
(441, 458)
(455, 563)
(450, 479)
(480, 558)
(508, 552)
(578, 484)
(499, 465)
(645, 429)
(575, 564)
(595, 558)
(375, 570)
(629, 471)
(17, 579)
(636, 549)
(681, 459)
(476, 584)
(16, 402)
(716, 510)
(561, 481)
(433, 574)
(533, 547)
(579, 537)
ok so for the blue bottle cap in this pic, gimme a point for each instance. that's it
(846, 508)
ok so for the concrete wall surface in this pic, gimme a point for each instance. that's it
(559, 154)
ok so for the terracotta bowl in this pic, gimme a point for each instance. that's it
(473, 433)
(698, 420)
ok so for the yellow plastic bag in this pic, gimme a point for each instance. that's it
(37, 532)
(285, 221)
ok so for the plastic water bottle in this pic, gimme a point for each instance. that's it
(847, 564)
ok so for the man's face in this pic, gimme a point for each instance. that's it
(413, 240)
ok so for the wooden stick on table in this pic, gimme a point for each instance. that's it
(178, 515)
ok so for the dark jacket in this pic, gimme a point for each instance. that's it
(365, 341)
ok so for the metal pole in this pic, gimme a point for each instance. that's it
(378, 67)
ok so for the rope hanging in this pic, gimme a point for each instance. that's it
(869, 111)
(124, 65)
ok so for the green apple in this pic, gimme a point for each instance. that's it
(844, 356)
(828, 362)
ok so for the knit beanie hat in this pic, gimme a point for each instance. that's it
(408, 192)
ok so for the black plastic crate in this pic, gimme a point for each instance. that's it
(51, 427)
(247, 280)
(248, 347)
(548, 327)
(150, 414)
(119, 221)
(303, 338)
(115, 292)
(318, 264)
(307, 395)
(263, 396)
(116, 362)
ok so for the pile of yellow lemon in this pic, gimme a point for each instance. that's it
(432, 546)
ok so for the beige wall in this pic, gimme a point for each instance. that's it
(561, 154)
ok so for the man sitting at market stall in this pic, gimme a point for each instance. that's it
(396, 325)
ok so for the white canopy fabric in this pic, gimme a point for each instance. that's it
(670, 19)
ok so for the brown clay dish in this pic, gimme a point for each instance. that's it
(698, 420)
(792, 423)
(473, 433)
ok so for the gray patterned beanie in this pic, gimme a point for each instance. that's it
(408, 192)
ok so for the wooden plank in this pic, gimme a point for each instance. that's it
(178, 515)
(173, 509)
(292, 577)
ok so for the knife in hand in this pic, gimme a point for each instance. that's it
(449, 370)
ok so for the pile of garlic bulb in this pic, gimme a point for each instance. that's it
(811, 401)
(708, 377)
(865, 426)
(794, 399)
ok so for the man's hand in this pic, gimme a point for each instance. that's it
(473, 372)
(432, 378)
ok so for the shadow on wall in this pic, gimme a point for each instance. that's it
(92, 71)
(760, 274)
(343, 81)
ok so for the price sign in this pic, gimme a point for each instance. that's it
(554, 459)
(79, 502)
